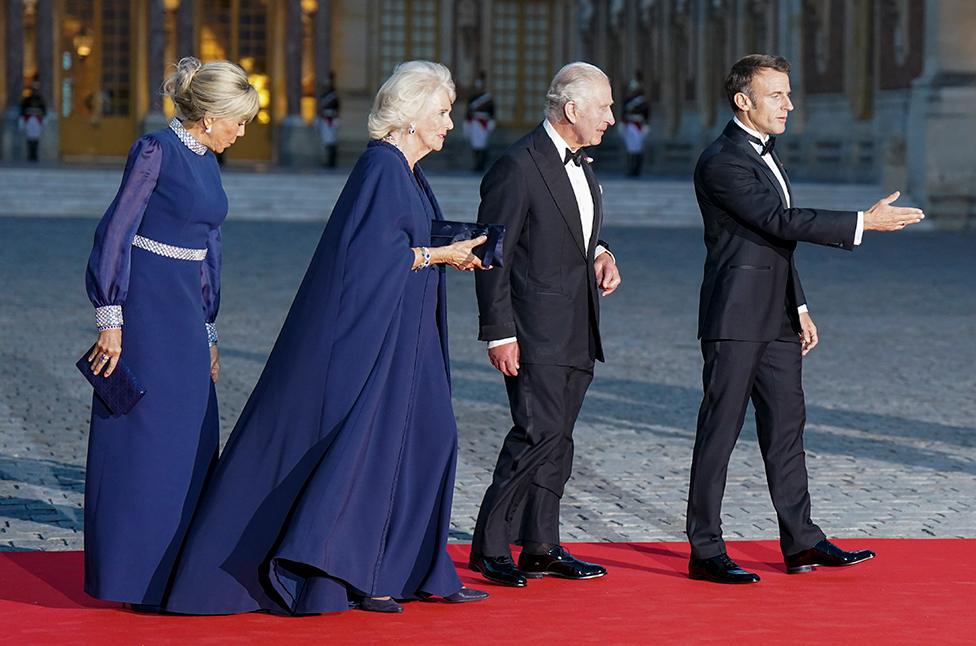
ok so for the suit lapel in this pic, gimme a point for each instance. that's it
(597, 207)
(786, 178)
(554, 174)
(738, 135)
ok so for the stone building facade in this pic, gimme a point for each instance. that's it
(885, 89)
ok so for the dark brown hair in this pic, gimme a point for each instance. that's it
(741, 75)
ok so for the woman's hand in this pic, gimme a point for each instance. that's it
(459, 255)
(214, 363)
(105, 355)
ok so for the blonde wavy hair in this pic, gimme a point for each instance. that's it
(402, 97)
(219, 89)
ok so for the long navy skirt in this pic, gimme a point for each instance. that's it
(367, 514)
(146, 469)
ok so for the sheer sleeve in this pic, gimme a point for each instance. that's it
(107, 277)
(210, 284)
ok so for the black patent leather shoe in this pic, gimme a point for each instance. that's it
(499, 569)
(824, 554)
(378, 605)
(558, 562)
(719, 569)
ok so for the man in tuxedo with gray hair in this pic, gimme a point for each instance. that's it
(539, 314)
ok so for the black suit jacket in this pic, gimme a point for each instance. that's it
(546, 295)
(750, 277)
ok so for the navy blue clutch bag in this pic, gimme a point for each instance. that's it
(120, 392)
(445, 232)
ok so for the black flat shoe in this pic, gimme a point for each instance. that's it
(719, 569)
(378, 605)
(499, 569)
(558, 562)
(824, 554)
(466, 595)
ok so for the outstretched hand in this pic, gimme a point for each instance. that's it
(885, 217)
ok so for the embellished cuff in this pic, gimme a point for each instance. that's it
(108, 317)
(211, 334)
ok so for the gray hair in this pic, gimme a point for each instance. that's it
(219, 89)
(574, 82)
(402, 97)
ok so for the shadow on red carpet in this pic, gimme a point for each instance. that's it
(915, 592)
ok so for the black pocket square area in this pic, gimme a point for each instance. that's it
(445, 232)
(120, 392)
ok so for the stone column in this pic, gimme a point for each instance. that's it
(186, 42)
(47, 67)
(941, 119)
(293, 133)
(155, 119)
(13, 146)
(323, 43)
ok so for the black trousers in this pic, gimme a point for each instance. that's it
(770, 374)
(522, 504)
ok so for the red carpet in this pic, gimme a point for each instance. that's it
(915, 592)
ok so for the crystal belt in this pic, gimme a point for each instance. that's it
(168, 250)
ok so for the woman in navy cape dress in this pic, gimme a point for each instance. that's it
(154, 271)
(337, 481)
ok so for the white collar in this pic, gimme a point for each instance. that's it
(754, 133)
(557, 139)
(188, 140)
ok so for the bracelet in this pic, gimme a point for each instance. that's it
(425, 256)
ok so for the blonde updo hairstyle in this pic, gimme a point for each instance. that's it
(218, 89)
(402, 97)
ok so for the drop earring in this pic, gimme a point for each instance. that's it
(412, 129)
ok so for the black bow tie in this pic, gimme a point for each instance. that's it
(766, 147)
(575, 157)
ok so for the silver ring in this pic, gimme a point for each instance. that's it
(104, 358)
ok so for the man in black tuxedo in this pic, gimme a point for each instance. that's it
(753, 320)
(540, 315)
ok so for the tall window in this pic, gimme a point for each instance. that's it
(116, 27)
(408, 31)
(96, 46)
(521, 64)
(237, 30)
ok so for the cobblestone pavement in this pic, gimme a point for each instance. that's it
(891, 407)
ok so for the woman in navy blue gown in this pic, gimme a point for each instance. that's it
(156, 263)
(335, 487)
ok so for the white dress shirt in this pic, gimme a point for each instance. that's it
(584, 200)
(768, 158)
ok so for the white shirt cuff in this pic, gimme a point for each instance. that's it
(802, 309)
(495, 344)
(859, 231)
(600, 249)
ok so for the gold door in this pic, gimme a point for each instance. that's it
(96, 58)
(240, 31)
(521, 62)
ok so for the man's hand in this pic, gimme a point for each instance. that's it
(607, 275)
(808, 333)
(505, 358)
(884, 217)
